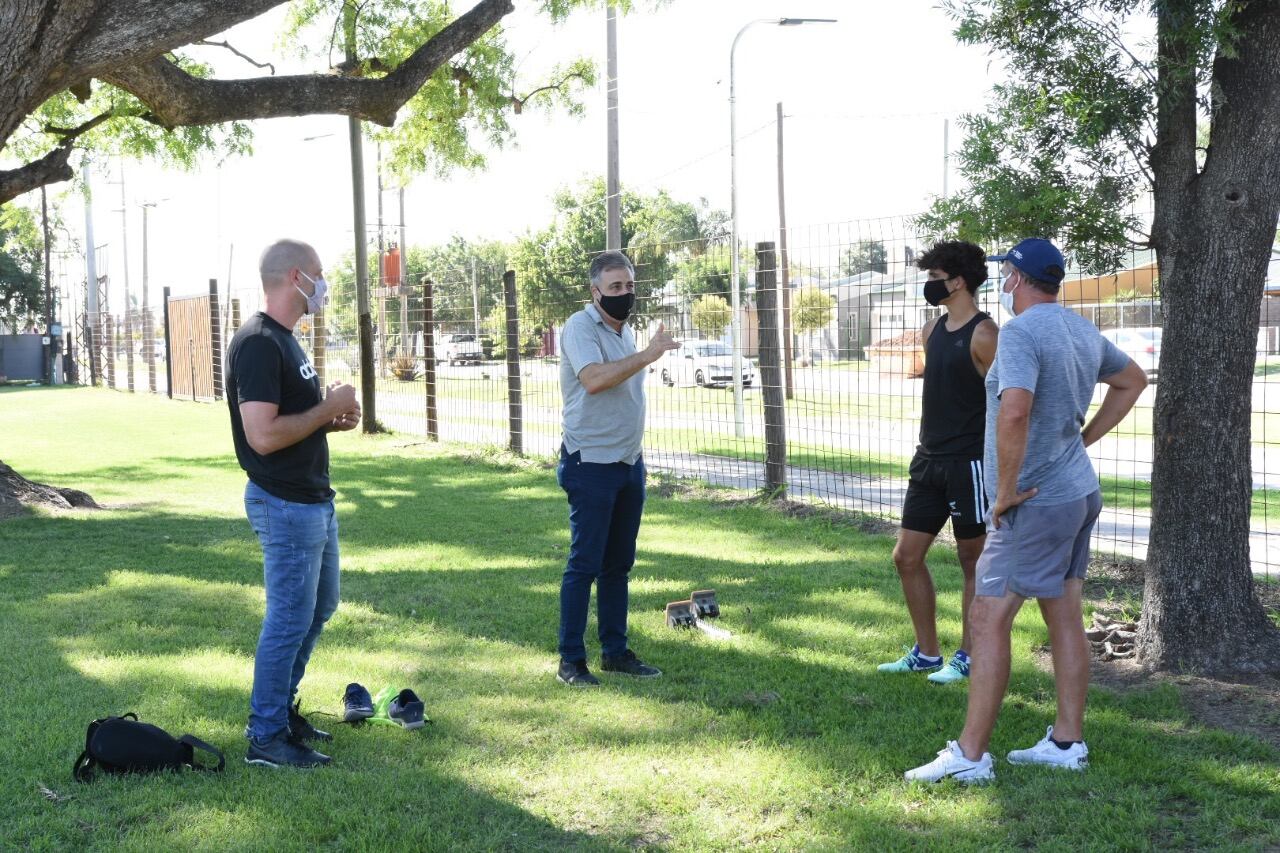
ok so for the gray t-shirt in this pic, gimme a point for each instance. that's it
(1060, 357)
(608, 426)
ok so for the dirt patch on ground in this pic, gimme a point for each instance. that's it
(18, 495)
(1241, 704)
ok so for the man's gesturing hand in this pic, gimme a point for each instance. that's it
(661, 342)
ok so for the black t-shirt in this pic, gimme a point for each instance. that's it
(953, 419)
(266, 365)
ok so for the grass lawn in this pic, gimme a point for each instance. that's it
(782, 738)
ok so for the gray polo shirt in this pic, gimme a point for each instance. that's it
(1060, 357)
(609, 426)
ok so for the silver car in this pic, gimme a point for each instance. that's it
(704, 363)
(1142, 344)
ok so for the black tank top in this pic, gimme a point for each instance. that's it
(954, 404)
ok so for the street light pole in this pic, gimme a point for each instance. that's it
(735, 297)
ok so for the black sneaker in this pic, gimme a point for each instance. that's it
(407, 710)
(357, 704)
(283, 750)
(628, 664)
(301, 728)
(575, 674)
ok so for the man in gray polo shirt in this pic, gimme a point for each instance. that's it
(1044, 501)
(601, 468)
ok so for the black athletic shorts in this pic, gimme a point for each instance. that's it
(945, 488)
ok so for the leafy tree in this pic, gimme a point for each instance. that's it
(21, 267)
(495, 326)
(865, 256)
(811, 309)
(448, 265)
(711, 315)
(552, 264)
(1089, 123)
(122, 77)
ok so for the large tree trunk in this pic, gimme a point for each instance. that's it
(1213, 234)
(17, 493)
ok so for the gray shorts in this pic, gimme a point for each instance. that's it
(1037, 548)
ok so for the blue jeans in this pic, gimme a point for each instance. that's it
(605, 504)
(300, 572)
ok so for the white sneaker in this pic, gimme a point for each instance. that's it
(952, 763)
(1046, 752)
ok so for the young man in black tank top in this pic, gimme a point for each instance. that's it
(946, 472)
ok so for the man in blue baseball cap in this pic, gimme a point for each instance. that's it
(1044, 498)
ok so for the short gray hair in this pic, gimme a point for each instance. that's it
(284, 255)
(609, 261)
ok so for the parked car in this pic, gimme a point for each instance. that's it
(703, 363)
(1140, 344)
(459, 349)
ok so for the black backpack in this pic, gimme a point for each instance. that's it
(124, 745)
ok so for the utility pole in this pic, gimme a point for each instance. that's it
(475, 299)
(613, 240)
(124, 257)
(48, 294)
(90, 253)
(369, 419)
(148, 334)
(946, 155)
(784, 263)
(403, 278)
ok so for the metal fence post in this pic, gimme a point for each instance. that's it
(168, 349)
(111, 351)
(515, 419)
(91, 343)
(429, 356)
(215, 339)
(775, 429)
(128, 346)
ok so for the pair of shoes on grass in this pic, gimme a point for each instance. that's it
(956, 669)
(576, 674)
(290, 747)
(951, 762)
(396, 705)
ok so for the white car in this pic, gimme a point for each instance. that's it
(703, 363)
(1140, 344)
(459, 349)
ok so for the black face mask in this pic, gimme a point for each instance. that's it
(935, 290)
(618, 307)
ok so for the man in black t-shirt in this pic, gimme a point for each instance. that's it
(279, 421)
(946, 472)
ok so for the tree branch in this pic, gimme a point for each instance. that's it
(69, 134)
(518, 103)
(177, 98)
(243, 56)
(52, 167)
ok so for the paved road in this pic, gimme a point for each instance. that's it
(1120, 531)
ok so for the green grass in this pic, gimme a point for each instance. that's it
(782, 738)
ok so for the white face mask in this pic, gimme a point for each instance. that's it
(1006, 298)
(315, 301)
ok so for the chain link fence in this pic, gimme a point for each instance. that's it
(826, 339)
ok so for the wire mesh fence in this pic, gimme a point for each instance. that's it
(826, 339)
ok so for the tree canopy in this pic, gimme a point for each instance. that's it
(123, 77)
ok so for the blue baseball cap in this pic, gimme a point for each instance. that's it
(1038, 258)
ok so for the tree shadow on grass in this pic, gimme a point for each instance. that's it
(477, 635)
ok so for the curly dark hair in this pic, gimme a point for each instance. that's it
(957, 257)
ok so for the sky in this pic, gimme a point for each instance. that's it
(865, 101)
